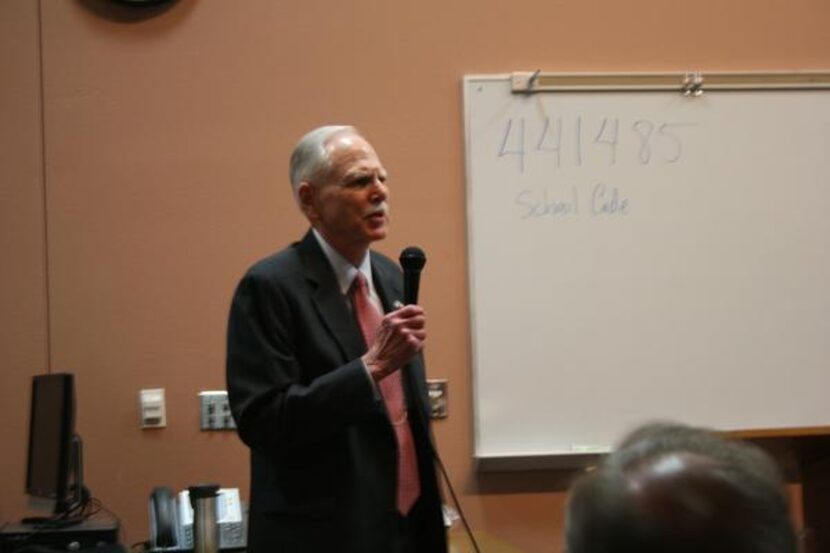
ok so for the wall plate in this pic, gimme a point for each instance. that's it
(437, 390)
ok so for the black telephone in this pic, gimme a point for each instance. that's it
(171, 520)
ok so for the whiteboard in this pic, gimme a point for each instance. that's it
(644, 255)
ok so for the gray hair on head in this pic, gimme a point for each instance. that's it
(310, 156)
(683, 489)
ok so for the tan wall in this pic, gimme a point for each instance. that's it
(23, 310)
(157, 175)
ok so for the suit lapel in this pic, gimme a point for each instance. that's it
(388, 289)
(334, 312)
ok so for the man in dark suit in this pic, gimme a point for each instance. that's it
(325, 375)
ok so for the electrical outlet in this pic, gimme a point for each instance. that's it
(437, 390)
(215, 411)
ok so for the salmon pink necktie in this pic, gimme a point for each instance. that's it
(391, 388)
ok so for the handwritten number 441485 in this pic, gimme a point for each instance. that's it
(570, 143)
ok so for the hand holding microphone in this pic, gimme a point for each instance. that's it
(402, 332)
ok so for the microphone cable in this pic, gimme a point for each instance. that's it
(412, 260)
(463, 518)
(434, 451)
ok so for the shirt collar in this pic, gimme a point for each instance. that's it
(343, 270)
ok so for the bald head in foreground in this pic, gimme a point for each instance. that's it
(678, 489)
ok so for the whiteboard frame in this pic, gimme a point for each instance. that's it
(688, 83)
(535, 82)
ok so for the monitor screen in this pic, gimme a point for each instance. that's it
(51, 431)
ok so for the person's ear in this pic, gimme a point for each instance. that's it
(306, 196)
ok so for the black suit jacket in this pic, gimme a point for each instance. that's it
(323, 452)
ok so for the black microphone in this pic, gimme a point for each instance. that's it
(412, 261)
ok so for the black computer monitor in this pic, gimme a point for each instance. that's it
(53, 469)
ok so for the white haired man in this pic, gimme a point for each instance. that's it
(341, 457)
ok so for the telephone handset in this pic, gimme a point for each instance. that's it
(171, 520)
(164, 520)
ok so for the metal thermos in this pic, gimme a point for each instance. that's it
(205, 528)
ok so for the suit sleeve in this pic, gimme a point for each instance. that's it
(276, 410)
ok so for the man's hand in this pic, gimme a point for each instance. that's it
(399, 337)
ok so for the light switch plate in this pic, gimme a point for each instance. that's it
(152, 408)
